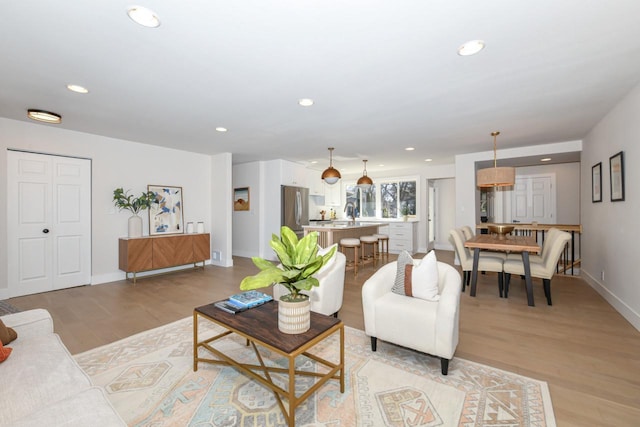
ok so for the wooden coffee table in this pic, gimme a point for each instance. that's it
(259, 326)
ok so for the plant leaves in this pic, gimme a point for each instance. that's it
(261, 280)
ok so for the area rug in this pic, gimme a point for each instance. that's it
(7, 308)
(150, 381)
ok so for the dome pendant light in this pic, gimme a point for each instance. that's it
(495, 176)
(365, 182)
(331, 175)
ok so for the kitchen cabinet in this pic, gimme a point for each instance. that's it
(155, 252)
(293, 174)
(403, 237)
(315, 183)
(332, 194)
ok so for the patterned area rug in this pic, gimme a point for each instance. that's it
(7, 308)
(149, 379)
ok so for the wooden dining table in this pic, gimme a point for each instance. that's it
(522, 244)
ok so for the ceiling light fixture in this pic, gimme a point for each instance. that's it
(428, 160)
(495, 176)
(305, 102)
(44, 116)
(546, 159)
(330, 174)
(221, 129)
(77, 88)
(471, 48)
(365, 182)
(409, 148)
(143, 16)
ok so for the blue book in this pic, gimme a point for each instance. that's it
(250, 299)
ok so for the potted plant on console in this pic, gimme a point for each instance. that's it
(299, 260)
(124, 200)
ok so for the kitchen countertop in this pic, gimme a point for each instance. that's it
(340, 225)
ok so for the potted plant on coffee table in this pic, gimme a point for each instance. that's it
(299, 260)
(124, 200)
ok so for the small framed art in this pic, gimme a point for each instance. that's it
(241, 200)
(596, 183)
(616, 175)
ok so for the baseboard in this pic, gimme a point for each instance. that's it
(621, 307)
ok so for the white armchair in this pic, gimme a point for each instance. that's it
(326, 298)
(427, 326)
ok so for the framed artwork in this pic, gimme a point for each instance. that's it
(241, 199)
(596, 183)
(616, 175)
(166, 216)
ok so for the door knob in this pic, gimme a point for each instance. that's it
(45, 231)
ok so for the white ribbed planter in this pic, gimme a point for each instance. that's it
(135, 226)
(294, 317)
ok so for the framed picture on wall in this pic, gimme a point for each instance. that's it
(166, 216)
(616, 175)
(241, 200)
(596, 183)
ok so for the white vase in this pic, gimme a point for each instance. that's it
(135, 226)
(294, 317)
(200, 227)
(189, 227)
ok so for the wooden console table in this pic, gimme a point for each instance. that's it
(155, 252)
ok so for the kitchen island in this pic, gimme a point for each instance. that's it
(328, 234)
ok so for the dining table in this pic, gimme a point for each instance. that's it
(508, 243)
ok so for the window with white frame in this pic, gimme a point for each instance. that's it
(392, 198)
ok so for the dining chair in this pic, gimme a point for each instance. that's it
(485, 262)
(544, 269)
(552, 234)
(468, 234)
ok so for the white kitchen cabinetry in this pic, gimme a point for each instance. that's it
(403, 237)
(293, 174)
(315, 183)
(332, 194)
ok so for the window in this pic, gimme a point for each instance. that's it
(384, 201)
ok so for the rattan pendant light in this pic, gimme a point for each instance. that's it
(495, 176)
(365, 182)
(330, 174)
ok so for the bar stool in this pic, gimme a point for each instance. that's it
(351, 243)
(366, 241)
(383, 240)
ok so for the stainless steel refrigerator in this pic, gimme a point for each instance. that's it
(295, 208)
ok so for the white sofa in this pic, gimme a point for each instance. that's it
(326, 298)
(42, 385)
(427, 326)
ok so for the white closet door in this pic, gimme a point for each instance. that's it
(49, 222)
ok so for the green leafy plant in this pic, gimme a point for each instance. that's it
(404, 211)
(299, 260)
(124, 200)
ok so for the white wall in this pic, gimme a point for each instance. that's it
(221, 210)
(115, 163)
(246, 224)
(611, 232)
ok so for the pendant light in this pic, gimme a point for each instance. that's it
(331, 175)
(495, 176)
(365, 182)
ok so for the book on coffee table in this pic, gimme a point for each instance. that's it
(229, 307)
(250, 299)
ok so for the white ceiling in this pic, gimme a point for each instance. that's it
(384, 74)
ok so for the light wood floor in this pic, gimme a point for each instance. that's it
(587, 353)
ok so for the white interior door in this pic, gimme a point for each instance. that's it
(431, 216)
(533, 199)
(49, 222)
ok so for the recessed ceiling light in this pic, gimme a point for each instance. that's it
(546, 159)
(305, 102)
(44, 116)
(381, 165)
(221, 129)
(409, 148)
(428, 160)
(143, 16)
(471, 48)
(77, 88)
(313, 162)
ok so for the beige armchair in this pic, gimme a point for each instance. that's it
(485, 262)
(427, 326)
(326, 298)
(543, 267)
